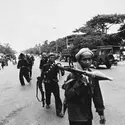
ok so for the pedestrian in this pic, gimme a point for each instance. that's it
(2, 62)
(49, 75)
(71, 60)
(32, 59)
(81, 90)
(24, 69)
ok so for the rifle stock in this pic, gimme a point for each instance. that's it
(95, 74)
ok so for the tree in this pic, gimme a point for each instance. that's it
(97, 27)
(45, 47)
(6, 49)
(121, 32)
(94, 33)
(101, 23)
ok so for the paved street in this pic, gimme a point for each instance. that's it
(19, 106)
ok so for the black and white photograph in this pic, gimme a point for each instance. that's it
(62, 62)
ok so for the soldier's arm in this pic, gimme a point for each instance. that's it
(40, 65)
(42, 72)
(18, 65)
(98, 99)
(75, 90)
(40, 80)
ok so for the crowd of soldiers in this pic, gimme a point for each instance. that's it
(80, 90)
(5, 58)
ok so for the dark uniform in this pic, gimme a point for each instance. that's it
(24, 70)
(79, 95)
(30, 62)
(49, 75)
(42, 62)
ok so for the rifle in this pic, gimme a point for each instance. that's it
(39, 81)
(95, 74)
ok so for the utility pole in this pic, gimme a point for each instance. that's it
(54, 28)
(66, 42)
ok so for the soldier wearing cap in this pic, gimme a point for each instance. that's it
(80, 92)
(49, 74)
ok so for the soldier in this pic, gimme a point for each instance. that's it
(24, 69)
(2, 62)
(30, 62)
(49, 75)
(32, 58)
(14, 61)
(81, 90)
(43, 61)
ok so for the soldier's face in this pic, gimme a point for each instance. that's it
(86, 61)
(52, 58)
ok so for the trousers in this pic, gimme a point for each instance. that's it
(89, 122)
(53, 88)
(24, 73)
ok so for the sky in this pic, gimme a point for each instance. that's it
(25, 23)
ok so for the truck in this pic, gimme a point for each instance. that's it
(103, 55)
(65, 55)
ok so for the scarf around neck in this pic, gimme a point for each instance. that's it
(78, 66)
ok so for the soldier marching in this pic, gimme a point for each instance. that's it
(49, 77)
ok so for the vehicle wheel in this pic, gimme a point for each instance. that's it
(108, 65)
(95, 64)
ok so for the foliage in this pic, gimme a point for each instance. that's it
(6, 49)
(101, 23)
(121, 32)
(94, 33)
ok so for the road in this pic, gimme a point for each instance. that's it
(19, 106)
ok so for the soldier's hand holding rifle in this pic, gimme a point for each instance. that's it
(102, 120)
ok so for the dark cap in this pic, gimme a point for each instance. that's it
(51, 54)
(21, 56)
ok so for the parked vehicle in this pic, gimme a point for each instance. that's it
(103, 55)
(65, 55)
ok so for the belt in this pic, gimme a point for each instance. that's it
(50, 81)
